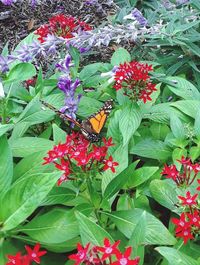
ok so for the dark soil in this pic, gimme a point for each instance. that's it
(18, 20)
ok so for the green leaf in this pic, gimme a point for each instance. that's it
(164, 193)
(152, 149)
(56, 226)
(175, 257)
(140, 175)
(119, 181)
(21, 72)
(121, 55)
(130, 121)
(189, 107)
(59, 195)
(5, 127)
(159, 131)
(24, 197)
(138, 237)
(88, 106)
(59, 135)
(6, 165)
(183, 88)
(177, 127)
(120, 155)
(197, 124)
(194, 152)
(155, 231)
(25, 146)
(89, 70)
(91, 232)
(30, 165)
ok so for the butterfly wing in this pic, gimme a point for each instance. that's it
(95, 123)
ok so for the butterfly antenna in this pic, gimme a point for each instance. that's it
(60, 114)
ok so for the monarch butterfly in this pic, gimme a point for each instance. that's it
(93, 125)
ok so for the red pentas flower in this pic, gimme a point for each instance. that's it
(82, 254)
(14, 260)
(77, 156)
(35, 253)
(186, 175)
(62, 26)
(108, 249)
(189, 200)
(107, 254)
(32, 255)
(124, 258)
(198, 180)
(185, 234)
(134, 78)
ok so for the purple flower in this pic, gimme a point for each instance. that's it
(8, 2)
(4, 64)
(137, 15)
(181, 2)
(67, 85)
(71, 106)
(91, 2)
(64, 65)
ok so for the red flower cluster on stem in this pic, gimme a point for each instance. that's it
(108, 254)
(185, 176)
(33, 255)
(189, 223)
(134, 78)
(62, 26)
(77, 155)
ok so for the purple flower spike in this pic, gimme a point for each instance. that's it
(67, 86)
(71, 106)
(137, 16)
(4, 64)
(64, 65)
(8, 2)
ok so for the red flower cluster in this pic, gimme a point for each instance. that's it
(33, 255)
(134, 78)
(77, 155)
(62, 26)
(103, 255)
(187, 174)
(189, 223)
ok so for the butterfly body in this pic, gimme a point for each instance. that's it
(92, 126)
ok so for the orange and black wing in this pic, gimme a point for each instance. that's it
(95, 123)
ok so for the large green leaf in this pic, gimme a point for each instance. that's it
(141, 175)
(24, 197)
(90, 231)
(183, 88)
(6, 165)
(119, 181)
(176, 257)
(21, 72)
(120, 155)
(177, 127)
(121, 55)
(30, 165)
(130, 121)
(189, 107)
(25, 146)
(5, 127)
(53, 227)
(152, 149)
(156, 232)
(164, 193)
(88, 106)
(59, 195)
